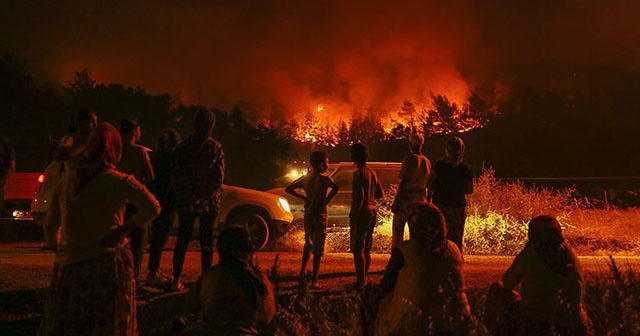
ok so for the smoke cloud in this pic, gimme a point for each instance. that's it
(282, 58)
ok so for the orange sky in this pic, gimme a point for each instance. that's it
(284, 57)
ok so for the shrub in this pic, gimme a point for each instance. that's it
(498, 213)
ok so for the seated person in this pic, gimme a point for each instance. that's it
(550, 283)
(424, 281)
(233, 297)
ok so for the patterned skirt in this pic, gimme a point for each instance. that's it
(92, 297)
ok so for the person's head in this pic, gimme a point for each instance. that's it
(104, 146)
(204, 122)
(545, 237)
(428, 226)
(234, 244)
(319, 161)
(415, 143)
(169, 139)
(103, 150)
(454, 152)
(130, 130)
(86, 120)
(359, 154)
(545, 230)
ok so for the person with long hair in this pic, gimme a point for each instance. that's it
(234, 297)
(550, 283)
(198, 174)
(449, 182)
(66, 158)
(92, 291)
(424, 281)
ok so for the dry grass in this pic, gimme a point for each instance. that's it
(612, 303)
(498, 213)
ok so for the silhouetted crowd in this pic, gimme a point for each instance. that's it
(112, 192)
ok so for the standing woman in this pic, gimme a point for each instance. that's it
(450, 180)
(92, 291)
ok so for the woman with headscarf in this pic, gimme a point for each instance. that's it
(551, 286)
(198, 174)
(450, 180)
(424, 281)
(234, 297)
(93, 288)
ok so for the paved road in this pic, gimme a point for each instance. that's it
(23, 266)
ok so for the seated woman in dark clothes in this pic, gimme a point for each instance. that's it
(234, 297)
(548, 277)
(424, 281)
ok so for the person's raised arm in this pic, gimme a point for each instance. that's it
(334, 189)
(147, 206)
(293, 187)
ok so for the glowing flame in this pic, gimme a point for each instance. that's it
(320, 108)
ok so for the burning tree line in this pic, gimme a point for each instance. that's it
(441, 116)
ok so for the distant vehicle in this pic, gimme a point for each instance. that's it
(18, 193)
(267, 216)
(342, 174)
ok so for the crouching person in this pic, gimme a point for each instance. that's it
(234, 297)
(424, 281)
(548, 276)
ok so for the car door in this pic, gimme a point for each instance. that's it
(341, 204)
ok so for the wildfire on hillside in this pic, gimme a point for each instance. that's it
(445, 117)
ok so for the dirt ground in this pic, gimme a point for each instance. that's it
(25, 272)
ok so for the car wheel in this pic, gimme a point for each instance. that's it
(257, 226)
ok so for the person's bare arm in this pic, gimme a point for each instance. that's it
(334, 189)
(357, 195)
(54, 219)
(147, 205)
(147, 169)
(293, 187)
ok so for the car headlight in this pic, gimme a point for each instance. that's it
(20, 214)
(284, 204)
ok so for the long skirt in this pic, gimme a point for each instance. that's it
(92, 297)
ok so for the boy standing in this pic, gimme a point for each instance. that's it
(366, 189)
(315, 186)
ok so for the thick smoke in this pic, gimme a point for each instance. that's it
(281, 58)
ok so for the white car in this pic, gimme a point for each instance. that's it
(267, 216)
